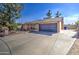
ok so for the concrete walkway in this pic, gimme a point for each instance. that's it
(40, 44)
(63, 43)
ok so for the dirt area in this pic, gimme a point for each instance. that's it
(75, 48)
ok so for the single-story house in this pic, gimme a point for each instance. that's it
(50, 25)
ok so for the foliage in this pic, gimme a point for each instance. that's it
(58, 14)
(19, 24)
(77, 22)
(13, 26)
(49, 13)
(9, 13)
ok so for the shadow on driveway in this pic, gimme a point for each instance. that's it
(43, 33)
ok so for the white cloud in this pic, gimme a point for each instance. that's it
(71, 19)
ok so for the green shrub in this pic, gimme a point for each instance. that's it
(13, 26)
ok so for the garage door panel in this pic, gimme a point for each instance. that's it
(48, 27)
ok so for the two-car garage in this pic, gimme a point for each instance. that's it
(48, 27)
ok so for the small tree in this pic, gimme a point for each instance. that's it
(9, 13)
(49, 14)
(77, 22)
(58, 14)
(77, 25)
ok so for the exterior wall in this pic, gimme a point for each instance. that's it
(59, 27)
(62, 24)
(24, 27)
(35, 25)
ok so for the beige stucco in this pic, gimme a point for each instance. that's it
(58, 21)
(59, 26)
(36, 26)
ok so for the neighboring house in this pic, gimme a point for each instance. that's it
(49, 25)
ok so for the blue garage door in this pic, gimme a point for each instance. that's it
(48, 27)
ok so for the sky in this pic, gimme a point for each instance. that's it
(36, 11)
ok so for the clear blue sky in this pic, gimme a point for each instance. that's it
(35, 11)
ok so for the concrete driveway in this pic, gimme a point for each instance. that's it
(42, 43)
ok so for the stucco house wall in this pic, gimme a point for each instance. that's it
(34, 26)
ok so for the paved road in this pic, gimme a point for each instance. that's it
(40, 43)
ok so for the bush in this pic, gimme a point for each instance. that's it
(0, 26)
(13, 27)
